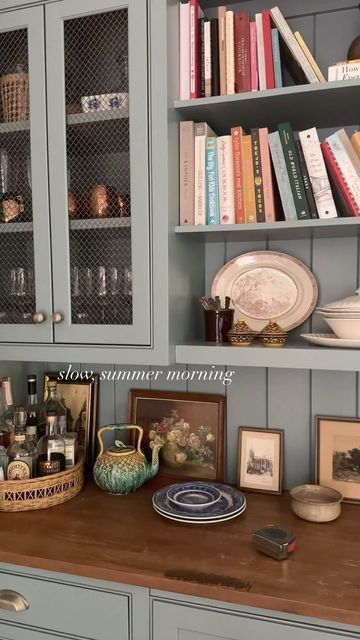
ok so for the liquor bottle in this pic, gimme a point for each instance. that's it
(8, 410)
(5, 429)
(32, 441)
(70, 446)
(22, 463)
(51, 447)
(32, 406)
(53, 403)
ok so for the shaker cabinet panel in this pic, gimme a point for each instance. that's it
(25, 280)
(98, 163)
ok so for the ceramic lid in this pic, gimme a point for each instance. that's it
(121, 449)
(352, 303)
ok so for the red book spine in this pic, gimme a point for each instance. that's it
(242, 52)
(335, 171)
(194, 50)
(269, 61)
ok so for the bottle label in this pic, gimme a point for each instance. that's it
(18, 470)
(54, 465)
(69, 452)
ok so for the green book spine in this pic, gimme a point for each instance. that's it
(294, 171)
(258, 179)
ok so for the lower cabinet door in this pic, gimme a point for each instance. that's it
(182, 622)
(14, 633)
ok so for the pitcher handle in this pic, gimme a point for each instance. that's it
(120, 427)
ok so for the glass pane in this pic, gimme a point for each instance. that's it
(97, 108)
(17, 286)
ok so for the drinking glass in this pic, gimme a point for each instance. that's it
(127, 287)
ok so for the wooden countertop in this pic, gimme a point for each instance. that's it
(122, 539)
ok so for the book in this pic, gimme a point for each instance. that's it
(242, 52)
(282, 177)
(184, 54)
(339, 180)
(258, 179)
(215, 74)
(268, 187)
(307, 183)
(226, 180)
(293, 45)
(222, 48)
(355, 141)
(344, 71)
(230, 53)
(309, 56)
(202, 22)
(207, 58)
(186, 185)
(294, 172)
(253, 58)
(268, 49)
(249, 191)
(212, 182)
(236, 136)
(314, 159)
(349, 149)
(260, 51)
(276, 58)
(195, 14)
(348, 171)
(202, 132)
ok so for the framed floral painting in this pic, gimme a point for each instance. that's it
(189, 426)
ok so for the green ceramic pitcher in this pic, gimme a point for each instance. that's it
(122, 468)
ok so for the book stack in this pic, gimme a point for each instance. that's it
(233, 53)
(264, 176)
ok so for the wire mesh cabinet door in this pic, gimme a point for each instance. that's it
(25, 280)
(99, 174)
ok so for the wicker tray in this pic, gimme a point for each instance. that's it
(41, 493)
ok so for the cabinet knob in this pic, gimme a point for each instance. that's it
(12, 601)
(39, 317)
(57, 318)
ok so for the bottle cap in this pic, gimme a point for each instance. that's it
(31, 378)
(52, 383)
(31, 430)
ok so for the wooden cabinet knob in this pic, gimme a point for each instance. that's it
(39, 317)
(12, 601)
(57, 318)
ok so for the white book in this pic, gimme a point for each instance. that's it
(348, 170)
(207, 56)
(260, 51)
(202, 132)
(282, 176)
(344, 71)
(230, 53)
(226, 180)
(184, 55)
(293, 45)
(319, 180)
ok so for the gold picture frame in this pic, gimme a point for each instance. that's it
(261, 460)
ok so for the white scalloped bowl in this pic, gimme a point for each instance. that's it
(346, 328)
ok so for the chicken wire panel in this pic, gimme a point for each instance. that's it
(17, 294)
(98, 165)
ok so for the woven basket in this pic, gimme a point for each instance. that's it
(41, 493)
(15, 97)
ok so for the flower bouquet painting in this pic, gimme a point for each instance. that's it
(188, 426)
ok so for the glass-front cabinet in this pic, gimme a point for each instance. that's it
(75, 219)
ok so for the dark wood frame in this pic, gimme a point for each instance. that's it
(137, 394)
(93, 383)
(280, 433)
(317, 447)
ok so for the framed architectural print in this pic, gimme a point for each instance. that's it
(260, 456)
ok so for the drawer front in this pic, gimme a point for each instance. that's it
(14, 633)
(182, 622)
(66, 608)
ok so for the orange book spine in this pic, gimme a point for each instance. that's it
(355, 141)
(249, 190)
(236, 136)
(268, 187)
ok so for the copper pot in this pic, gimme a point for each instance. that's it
(103, 201)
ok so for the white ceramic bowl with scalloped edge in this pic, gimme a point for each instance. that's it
(346, 328)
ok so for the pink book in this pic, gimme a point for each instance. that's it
(184, 62)
(268, 50)
(253, 58)
(268, 188)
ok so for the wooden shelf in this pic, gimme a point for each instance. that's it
(104, 223)
(331, 104)
(295, 355)
(12, 127)
(337, 227)
(16, 227)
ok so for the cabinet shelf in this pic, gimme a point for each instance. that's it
(305, 105)
(104, 223)
(96, 131)
(96, 116)
(16, 227)
(338, 227)
(12, 127)
(295, 355)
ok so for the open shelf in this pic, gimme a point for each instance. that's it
(102, 223)
(335, 227)
(294, 355)
(331, 104)
(16, 227)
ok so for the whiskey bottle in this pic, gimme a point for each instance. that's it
(32, 406)
(51, 447)
(21, 459)
(53, 403)
(5, 429)
(70, 446)
(7, 400)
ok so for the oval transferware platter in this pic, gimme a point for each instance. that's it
(267, 285)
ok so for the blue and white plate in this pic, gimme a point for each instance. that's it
(231, 503)
(189, 520)
(193, 495)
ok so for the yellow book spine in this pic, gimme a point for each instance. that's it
(309, 56)
(249, 189)
(355, 141)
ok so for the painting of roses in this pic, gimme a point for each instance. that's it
(188, 426)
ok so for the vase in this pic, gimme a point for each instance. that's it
(169, 454)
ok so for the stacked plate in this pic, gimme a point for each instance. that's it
(199, 502)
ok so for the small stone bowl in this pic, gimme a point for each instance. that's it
(315, 503)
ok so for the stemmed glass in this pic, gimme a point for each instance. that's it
(22, 290)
